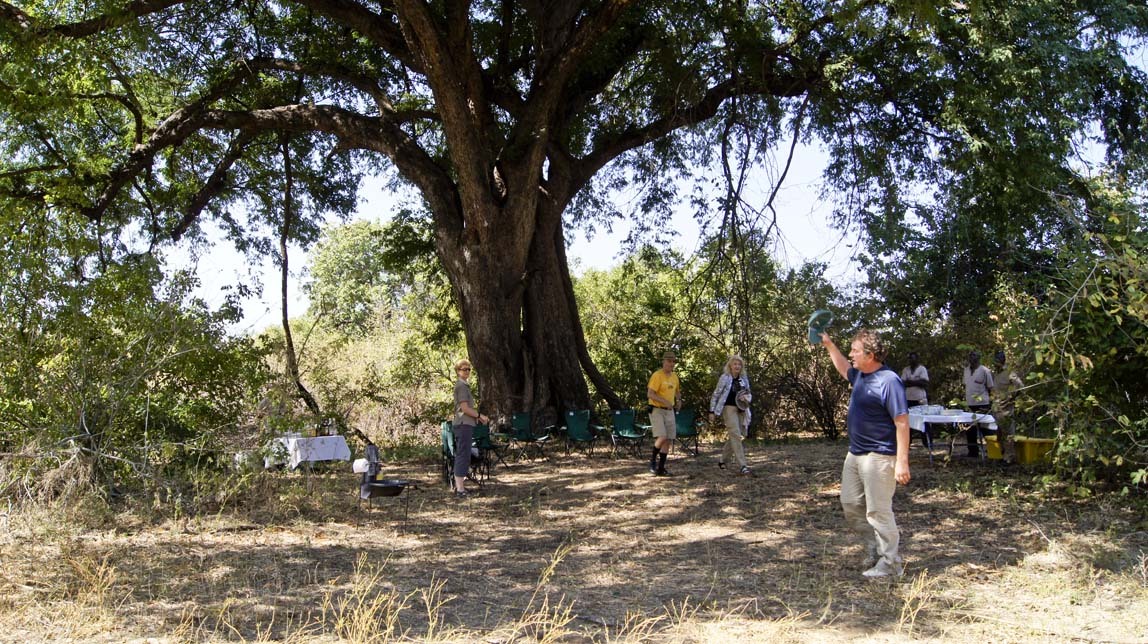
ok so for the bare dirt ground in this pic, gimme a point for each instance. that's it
(580, 550)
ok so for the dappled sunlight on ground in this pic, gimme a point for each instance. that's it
(704, 555)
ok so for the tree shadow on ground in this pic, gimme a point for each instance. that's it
(618, 542)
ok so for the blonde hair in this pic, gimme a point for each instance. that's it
(458, 365)
(730, 361)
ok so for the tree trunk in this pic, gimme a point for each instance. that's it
(522, 327)
(550, 322)
(284, 275)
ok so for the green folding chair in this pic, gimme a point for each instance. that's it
(686, 423)
(478, 471)
(625, 435)
(523, 438)
(580, 433)
(490, 447)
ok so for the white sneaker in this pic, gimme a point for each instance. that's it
(883, 569)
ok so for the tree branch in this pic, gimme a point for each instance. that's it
(382, 134)
(704, 109)
(212, 187)
(115, 18)
(351, 77)
(455, 79)
(379, 29)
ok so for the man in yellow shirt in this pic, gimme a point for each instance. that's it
(664, 392)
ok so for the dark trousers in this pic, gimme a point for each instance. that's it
(463, 441)
(973, 432)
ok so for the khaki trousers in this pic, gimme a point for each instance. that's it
(733, 418)
(867, 486)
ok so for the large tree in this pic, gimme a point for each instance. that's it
(514, 119)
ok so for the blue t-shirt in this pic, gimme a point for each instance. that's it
(877, 399)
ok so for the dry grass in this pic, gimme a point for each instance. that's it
(588, 551)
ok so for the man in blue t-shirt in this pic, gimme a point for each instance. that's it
(878, 459)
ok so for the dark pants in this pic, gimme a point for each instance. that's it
(974, 430)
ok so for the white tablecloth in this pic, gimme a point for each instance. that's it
(294, 451)
(917, 421)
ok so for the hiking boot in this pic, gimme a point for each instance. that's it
(662, 472)
(745, 470)
(653, 469)
(720, 465)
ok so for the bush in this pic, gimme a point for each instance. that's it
(1087, 339)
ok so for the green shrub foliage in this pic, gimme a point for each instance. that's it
(1085, 340)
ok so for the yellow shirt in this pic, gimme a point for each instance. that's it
(665, 386)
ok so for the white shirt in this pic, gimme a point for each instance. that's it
(916, 393)
(978, 384)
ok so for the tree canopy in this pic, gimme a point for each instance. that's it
(140, 120)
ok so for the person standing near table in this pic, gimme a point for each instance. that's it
(664, 393)
(465, 416)
(978, 397)
(916, 380)
(878, 458)
(1004, 404)
(730, 401)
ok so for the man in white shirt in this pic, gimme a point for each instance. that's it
(916, 379)
(978, 396)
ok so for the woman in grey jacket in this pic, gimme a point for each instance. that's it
(731, 401)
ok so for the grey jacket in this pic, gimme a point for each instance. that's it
(724, 383)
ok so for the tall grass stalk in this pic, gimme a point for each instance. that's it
(540, 620)
(434, 602)
(918, 596)
(366, 612)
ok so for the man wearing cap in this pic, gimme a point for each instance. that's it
(664, 392)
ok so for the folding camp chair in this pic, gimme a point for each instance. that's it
(491, 449)
(626, 435)
(687, 430)
(580, 434)
(523, 438)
